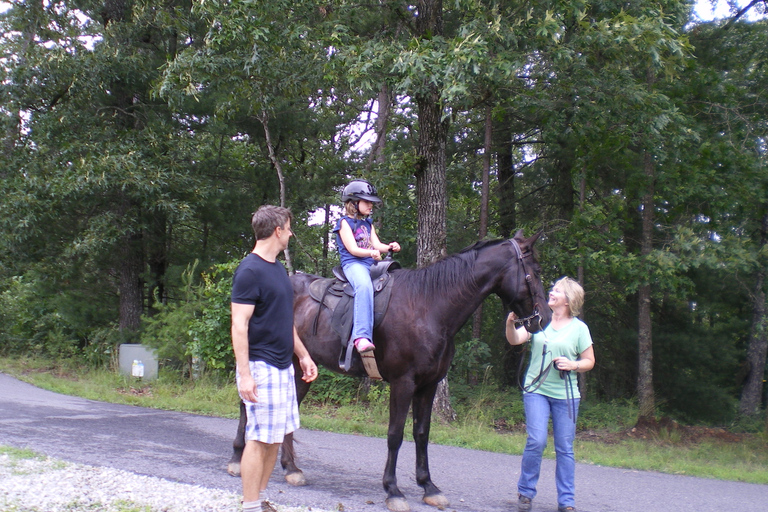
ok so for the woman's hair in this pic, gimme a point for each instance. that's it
(267, 218)
(574, 294)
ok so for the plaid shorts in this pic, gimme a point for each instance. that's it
(277, 411)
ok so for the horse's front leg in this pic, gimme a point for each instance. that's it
(422, 418)
(400, 396)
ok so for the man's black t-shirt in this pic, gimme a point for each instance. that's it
(266, 286)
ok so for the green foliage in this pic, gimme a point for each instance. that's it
(332, 389)
(471, 359)
(210, 331)
(194, 333)
(151, 129)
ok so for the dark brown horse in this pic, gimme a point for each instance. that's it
(414, 342)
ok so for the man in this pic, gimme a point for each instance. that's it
(264, 341)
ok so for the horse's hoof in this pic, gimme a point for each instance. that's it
(437, 500)
(398, 505)
(233, 468)
(296, 478)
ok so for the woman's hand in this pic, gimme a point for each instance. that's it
(515, 335)
(565, 364)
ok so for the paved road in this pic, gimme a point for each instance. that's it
(341, 469)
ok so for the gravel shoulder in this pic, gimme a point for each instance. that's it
(52, 485)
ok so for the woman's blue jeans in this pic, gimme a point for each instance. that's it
(359, 276)
(538, 409)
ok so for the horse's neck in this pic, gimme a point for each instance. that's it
(464, 293)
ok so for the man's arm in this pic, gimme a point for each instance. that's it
(308, 366)
(241, 315)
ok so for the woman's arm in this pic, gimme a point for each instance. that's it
(516, 335)
(584, 363)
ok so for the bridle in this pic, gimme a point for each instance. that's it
(528, 321)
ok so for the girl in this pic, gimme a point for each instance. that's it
(358, 247)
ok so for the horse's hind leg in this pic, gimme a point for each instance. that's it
(422, 417)
(238, 445)
(293, 475)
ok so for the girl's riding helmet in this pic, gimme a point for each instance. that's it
(360, 189)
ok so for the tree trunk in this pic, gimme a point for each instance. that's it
(506, 172)
(130, 284)
(326, 239)
(751, 395)
(477, 319)
(431, 187)
(157, 260)
(382, 119)
(264, 118)
(581, 378)
(644, 332)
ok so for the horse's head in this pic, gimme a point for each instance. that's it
(521, 288)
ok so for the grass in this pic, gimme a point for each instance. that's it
(486, 420)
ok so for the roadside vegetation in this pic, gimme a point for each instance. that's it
(487, 419)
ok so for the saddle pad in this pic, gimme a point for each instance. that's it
(337, 297)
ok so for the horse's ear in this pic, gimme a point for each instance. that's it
(533, 239)
(519, 235)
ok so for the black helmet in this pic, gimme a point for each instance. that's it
(359, 189)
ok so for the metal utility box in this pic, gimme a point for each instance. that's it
(130, 352)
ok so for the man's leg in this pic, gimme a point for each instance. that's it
(256, 467)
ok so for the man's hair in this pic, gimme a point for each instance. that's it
(574, 294)
(267, 218)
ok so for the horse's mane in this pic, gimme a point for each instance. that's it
(444, 275)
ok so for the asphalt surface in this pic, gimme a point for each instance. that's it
(341, 469)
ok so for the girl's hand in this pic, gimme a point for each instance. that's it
(394, 246)
(376, 255)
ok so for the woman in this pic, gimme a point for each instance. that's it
(565, 346)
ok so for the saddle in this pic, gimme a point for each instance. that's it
(337, 295)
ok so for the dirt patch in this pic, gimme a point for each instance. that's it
(662, 430)
(667, 430)
(142, 391)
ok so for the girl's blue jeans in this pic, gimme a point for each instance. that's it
(359, 276)
(538, 410)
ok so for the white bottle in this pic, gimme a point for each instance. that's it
(141, 369)
(135, 368)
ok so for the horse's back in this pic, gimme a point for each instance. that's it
(313, 324)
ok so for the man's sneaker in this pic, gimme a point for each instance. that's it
(268, 506)
(523, 503)
(364, 345)
(566, 509)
